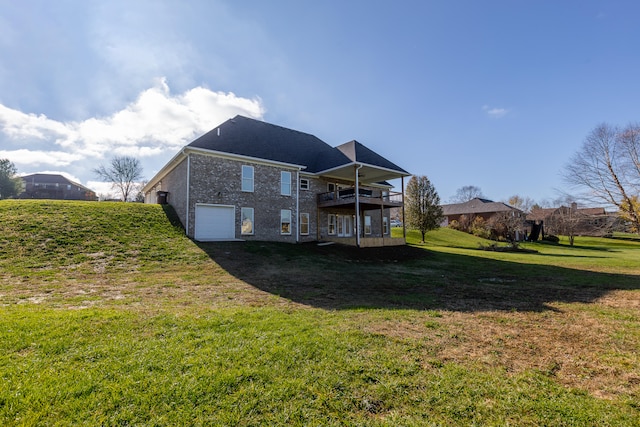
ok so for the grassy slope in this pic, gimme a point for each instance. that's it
(109, 315)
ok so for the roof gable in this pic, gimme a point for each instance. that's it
(358, 153)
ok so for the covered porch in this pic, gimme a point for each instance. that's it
(364, 203)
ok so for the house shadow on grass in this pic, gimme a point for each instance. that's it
(338, 277)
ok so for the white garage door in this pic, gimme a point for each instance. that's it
(215, 222)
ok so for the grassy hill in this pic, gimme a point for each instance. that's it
(110, 315)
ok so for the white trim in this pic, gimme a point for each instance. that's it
(327, 171)
(305, 180)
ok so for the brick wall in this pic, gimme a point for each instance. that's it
(217, 180)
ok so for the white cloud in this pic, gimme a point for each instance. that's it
(156, 123)
(495, 113)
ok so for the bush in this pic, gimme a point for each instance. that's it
(551, 238)
(479, 228)
(455, 225)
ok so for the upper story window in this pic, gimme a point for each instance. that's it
(285, 183)
(304, 183)
(247, 178)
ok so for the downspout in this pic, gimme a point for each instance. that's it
(357, 189)
(188, 188)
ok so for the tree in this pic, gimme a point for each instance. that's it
(507, 224)
(422, 205)
(10, 183)
(607, 166)
(523, 203)
(466, 193)
(123, 173)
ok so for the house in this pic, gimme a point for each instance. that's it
(499, 220)
(250, 180)
(572, 220)
(53, 186)
(468, 211)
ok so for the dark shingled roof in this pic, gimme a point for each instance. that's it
(357, 152)
(48, 178)
(254, 138)
(476, 206)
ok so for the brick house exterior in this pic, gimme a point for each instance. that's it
(477, 207)
(251, 180)
(54, 186)
(572, 219)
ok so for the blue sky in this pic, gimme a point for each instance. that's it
(496, 94)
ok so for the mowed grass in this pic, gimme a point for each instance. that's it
(110, 316)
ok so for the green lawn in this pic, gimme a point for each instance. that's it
(110, 316)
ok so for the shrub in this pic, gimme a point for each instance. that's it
(455, 225)
(551, 238)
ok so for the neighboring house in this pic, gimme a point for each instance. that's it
(468, 211)
(52, 186)
(572, 220)
(251, 180)
(501, 219)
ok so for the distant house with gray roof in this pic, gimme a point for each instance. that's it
(250, 180)
(54, 186)
(484, 208)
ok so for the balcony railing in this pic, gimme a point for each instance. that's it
(347, 196)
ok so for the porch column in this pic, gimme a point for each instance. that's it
(382, 219)
(356, 168)
(404, 227)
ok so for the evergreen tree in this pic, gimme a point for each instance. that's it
(422, 205)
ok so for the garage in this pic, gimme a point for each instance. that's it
(214, 222)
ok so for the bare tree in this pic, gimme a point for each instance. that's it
(122, 173)
(607, 167)
(10, 183)
(508, 225)
(422, 205)
(466, 193)
(523, 203)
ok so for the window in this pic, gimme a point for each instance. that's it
(304, 224)
(285, 183)
(367, 224)
(331, 187)
(385, 225)
(331, 228)
(285, 221)
(247, 178)
(304, 184)
(246, 220)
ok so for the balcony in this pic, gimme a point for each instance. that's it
(368, 200)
